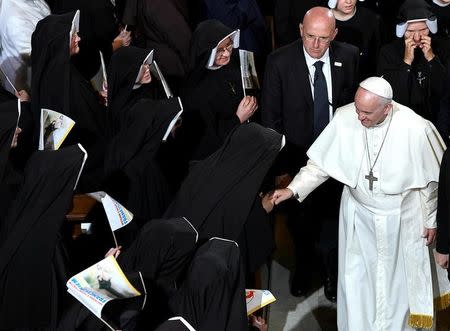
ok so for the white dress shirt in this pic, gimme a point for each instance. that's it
(326, 71)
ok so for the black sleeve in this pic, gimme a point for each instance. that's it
(443, 115)
(283, 34)
(443, 209)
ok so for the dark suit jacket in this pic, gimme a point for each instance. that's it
(287, 103)
(443, 208)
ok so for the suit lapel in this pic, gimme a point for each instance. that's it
(303, 73)
(336, 75)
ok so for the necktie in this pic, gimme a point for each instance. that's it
(321, 109)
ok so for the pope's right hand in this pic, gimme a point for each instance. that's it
(281, 195)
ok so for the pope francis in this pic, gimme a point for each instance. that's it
(388, 158)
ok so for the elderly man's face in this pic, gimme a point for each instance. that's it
(370, 108)
(416, 31)
(316, 36)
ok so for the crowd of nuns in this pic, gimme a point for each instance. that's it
(199, 196)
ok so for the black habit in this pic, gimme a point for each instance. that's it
(220, 194)
(443, 208)
(363, 30)
(162, 25)
(212, 297)
(420, 85)
(211, 97)
(59, 86)
(122, 73)
(32, 269)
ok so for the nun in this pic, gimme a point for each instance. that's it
(129, 80)
(212, 297)
(32, 264)
(161, 253)
(58, 85)
(221, 194)
(361, 27)
(416, 63)
(213, 96)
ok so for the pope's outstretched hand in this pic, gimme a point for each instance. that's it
(281, 195)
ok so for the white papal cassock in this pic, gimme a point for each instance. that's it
(18, 19)
(385, 269)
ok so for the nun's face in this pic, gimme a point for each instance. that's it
(416, 31)
(346, 6)
(224, 51)
(15, 137)
(74, 48)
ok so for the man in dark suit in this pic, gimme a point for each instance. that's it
(304, 83)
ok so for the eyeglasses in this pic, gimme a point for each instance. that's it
(311, 38)
(221, 51)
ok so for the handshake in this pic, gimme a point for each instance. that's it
(280, 195)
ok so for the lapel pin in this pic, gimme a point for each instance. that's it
(338, 64)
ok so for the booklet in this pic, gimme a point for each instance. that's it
(256, 299)
(82, 165)
(101, 284)
(249, 76)
(100, 79)
(156, 72)
(54, 128)
(6, 78)
(118, 216)
(174, 121)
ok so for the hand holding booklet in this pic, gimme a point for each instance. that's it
(101, 284)
(249, 75)
(54, 128)
(257, 299)
(154, 69)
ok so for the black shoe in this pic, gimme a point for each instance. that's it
(330, 289)
(299, 285)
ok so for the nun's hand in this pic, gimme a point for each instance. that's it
(281, 195)
(246, 108)
(23, 95)
(258, 322)
(266, 201)
(441, 259)
(425, 45)
(115, 251)
(123, 39)
(410, 45)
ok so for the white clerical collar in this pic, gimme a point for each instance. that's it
(440, 3)
(310, 60)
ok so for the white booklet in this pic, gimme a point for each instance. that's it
(174, 121)
(118, 216)
(248, 71)
(156, 72)
(256, 299)
(100, 78)
(54, 128)
(101, 283)
(5, 77)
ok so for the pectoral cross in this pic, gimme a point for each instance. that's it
(420, 78)
(371, 178)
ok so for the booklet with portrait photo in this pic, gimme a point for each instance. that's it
(103, 288)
